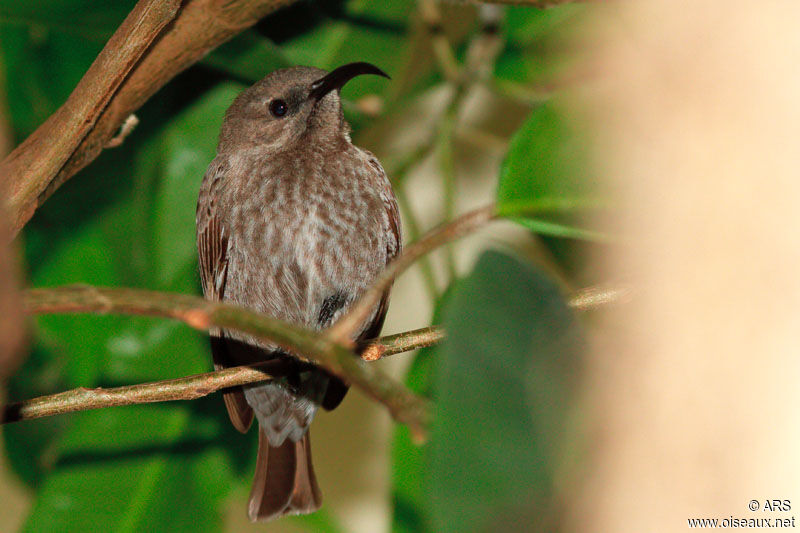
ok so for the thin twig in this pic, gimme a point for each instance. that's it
(127, 127)
(185, 388)
(403, 342)
(413, 231)
(358, 313)
(83, 399)
(202, 314)
(398, 172)
(447, 165)
(583, 300)
(600, 295)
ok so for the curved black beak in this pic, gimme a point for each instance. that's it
(339, 76)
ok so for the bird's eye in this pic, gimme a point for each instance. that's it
(278, 108)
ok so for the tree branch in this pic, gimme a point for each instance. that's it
(159, 39)
(403, 342)
(202, 314)
(193, 387)
(83, 399)
(28, 169)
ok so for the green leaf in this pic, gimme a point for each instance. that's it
(526, 26)
(186, 147)
(84, 17)
(546, 181)
(532, 54)
(129, 469)
(79, 340)
(319, 522)
(502, 396)
(28, 444)
(42, 67)
(409, 459)
(247, 57)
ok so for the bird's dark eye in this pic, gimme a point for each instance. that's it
(278, 108)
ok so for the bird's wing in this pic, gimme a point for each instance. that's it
(393, 245)
(212, 250)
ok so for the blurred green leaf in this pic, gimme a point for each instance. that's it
(319, 522)
(81, 341)
(502, 395)
(546, 181)
(42, 68)
(85, 17)
(408, 458)
(247, 57)
(126, 469)
(187, 146)
(526, 26)
(28, 445)
(531, 55)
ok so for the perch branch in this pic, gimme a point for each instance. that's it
(158, 40)
(186, 388)
(202, 314)
(83, 399)
(193, 387)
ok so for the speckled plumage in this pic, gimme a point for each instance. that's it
(296, 222)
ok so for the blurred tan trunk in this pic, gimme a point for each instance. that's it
(694, 391)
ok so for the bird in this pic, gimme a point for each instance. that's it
(294, 221)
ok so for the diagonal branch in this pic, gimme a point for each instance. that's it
(202, 314)
(158, 40)
(29, 167)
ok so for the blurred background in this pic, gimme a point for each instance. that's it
(649, 146)
(464, 79)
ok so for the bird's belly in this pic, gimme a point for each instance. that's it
(305, 266)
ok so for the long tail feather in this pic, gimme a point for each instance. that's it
(284, 482)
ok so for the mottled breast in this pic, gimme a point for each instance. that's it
(307, 231)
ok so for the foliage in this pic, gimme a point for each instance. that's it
(128, 220)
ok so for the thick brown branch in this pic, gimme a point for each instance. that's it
(344, 328)
(29, 168)
(201, 314)
(152, 46)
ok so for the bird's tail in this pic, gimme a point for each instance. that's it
(284, 482)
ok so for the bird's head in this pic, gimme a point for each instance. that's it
(297, 104)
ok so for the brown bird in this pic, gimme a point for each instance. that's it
(296, 222)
